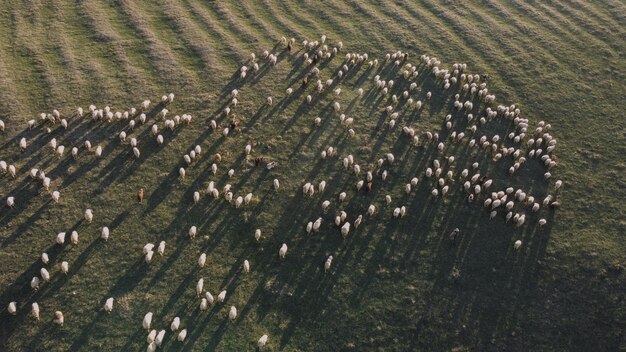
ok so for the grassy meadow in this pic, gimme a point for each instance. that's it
(395, 284)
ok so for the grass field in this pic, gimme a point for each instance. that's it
(395, 284)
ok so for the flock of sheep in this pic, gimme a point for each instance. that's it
(473, 103)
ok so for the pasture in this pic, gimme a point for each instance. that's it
(395, 283)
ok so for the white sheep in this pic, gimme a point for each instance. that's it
(58, 318)
(151, 337)
(147, 321)
(328, 263)
(517, 244)
(65, 267)
(283, 251)
(44, 258)
(159, 338)
(345, 229)
(192, 231)
(60, 239)
(45, 275)
(74, 237)
(35, 311)
(246, 266)
(232, 314)
(196, 197)
(12, 308)
(199, 287)
(108, 305)
(175, 324)
(317, 224)
(89, 215)
(34, 283)
(105, 233)
(55, 196)
(262, 342)
(238, 202)
(221, 297)
(182, 335)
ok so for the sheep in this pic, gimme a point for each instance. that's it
(328, 263)
(58, 318)
(65, 267)
(262, 342)
(317, 224)
(175, 324)
(371, 209)
(60, 239)
(12, 308)
(199, 287)
(98, 152)
(10, 202)
(246, 266)
(238, 202)
(44, 258)
(358, 221)
(192, 232)
(105, 233)
(151, 337)
(23, 144)
(517, 244)
(108, 305)
(209, 297)
(74, 152)
(232, 314)
(159, 338)
(204, 304)
(45, 275)
(136, 152)
(74, 237)
(35, 311)
(257, 234)
(345, 229)
(89, 215)
(221, 297)
(34, 283)
(182, 335)
(542, 222)
(283, 251)
(55, 196)
(181, 173)
(247, 198)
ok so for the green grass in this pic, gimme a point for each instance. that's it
(391, 286)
